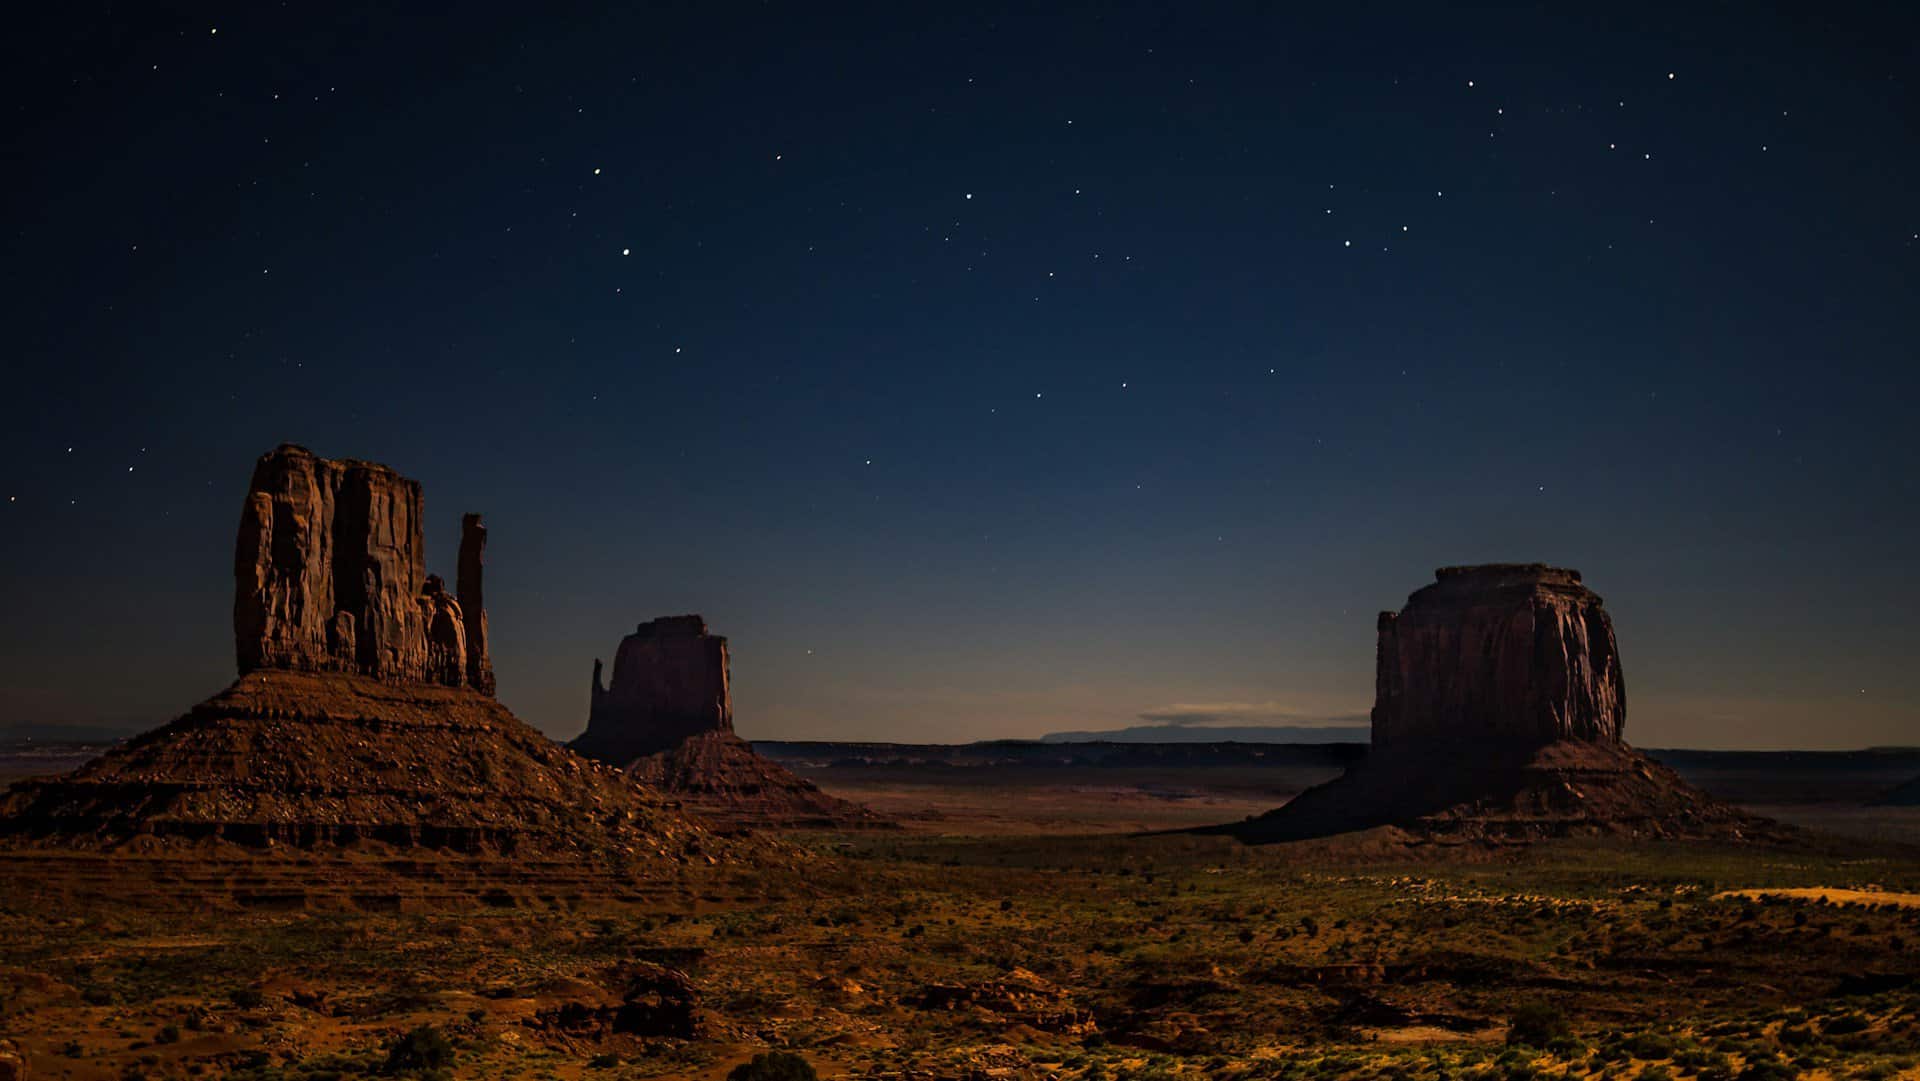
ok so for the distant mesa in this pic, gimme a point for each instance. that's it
(364, 711)
(667, 719)
(1499, 714)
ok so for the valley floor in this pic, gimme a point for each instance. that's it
(912, 954)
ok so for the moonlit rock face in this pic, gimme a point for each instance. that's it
(669, 683)
(330, 576)
(1499, 655)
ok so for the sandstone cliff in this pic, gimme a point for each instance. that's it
(330, 575)
(1506, 655)
(667, 720)
(669, 683)
(363, 713)
(1498, 714)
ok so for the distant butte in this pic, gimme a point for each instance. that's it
(667, 719)
(670, 682)
(1499, 714)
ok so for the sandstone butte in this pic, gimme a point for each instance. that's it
(667, 719)
(363, 714)
(1500, 712)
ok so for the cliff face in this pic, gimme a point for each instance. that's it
(330, 576)
(669, 683)
(1498, 717)
(1498, 656)
(667, 720)
(363, 712)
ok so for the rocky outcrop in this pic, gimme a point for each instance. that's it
(363, 713)
(473, 561)
(330, 575)
(669, 683)
(667, 719)
(1510, 655)
(720, 777)
(1498, 715)
(309, 760)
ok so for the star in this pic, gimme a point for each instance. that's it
(626, 251)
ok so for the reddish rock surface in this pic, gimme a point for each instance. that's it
(1499, 710)
(669, 683)
(720, 777)
(1504, 654)
(667, 719)
(473, 607)
(310, 759)
(363, 713)
(330, 574)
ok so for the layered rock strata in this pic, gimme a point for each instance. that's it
(669, 683)
(1499, 712)
(363, 713)
(330, 576)
(1507, 654)
(667, 719)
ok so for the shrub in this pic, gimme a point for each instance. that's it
(1650, 1047)
(425, 1048)
(1537, 1024)
(773, 1066)
(1844, 1024)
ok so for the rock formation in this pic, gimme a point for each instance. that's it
(667, 719)
(1506, 654)
(363, 712)
(330, 574)
(720, 777)
(1498, 715)
(669, 683)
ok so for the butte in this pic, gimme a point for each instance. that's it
(1499, 714)
(667, 719)
(363, 718)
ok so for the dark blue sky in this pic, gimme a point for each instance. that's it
(984, 374)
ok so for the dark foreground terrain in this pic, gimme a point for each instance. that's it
(1030, 948)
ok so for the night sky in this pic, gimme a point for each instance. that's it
(983, 374)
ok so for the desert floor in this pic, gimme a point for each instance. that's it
(1005, 933)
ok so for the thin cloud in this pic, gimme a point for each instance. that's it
(1210, 714)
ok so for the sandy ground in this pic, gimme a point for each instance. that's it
(1830, 896)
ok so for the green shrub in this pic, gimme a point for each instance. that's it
(773, 1066)
(1537, 1024)
(1844, 1024)
(425, 1048)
